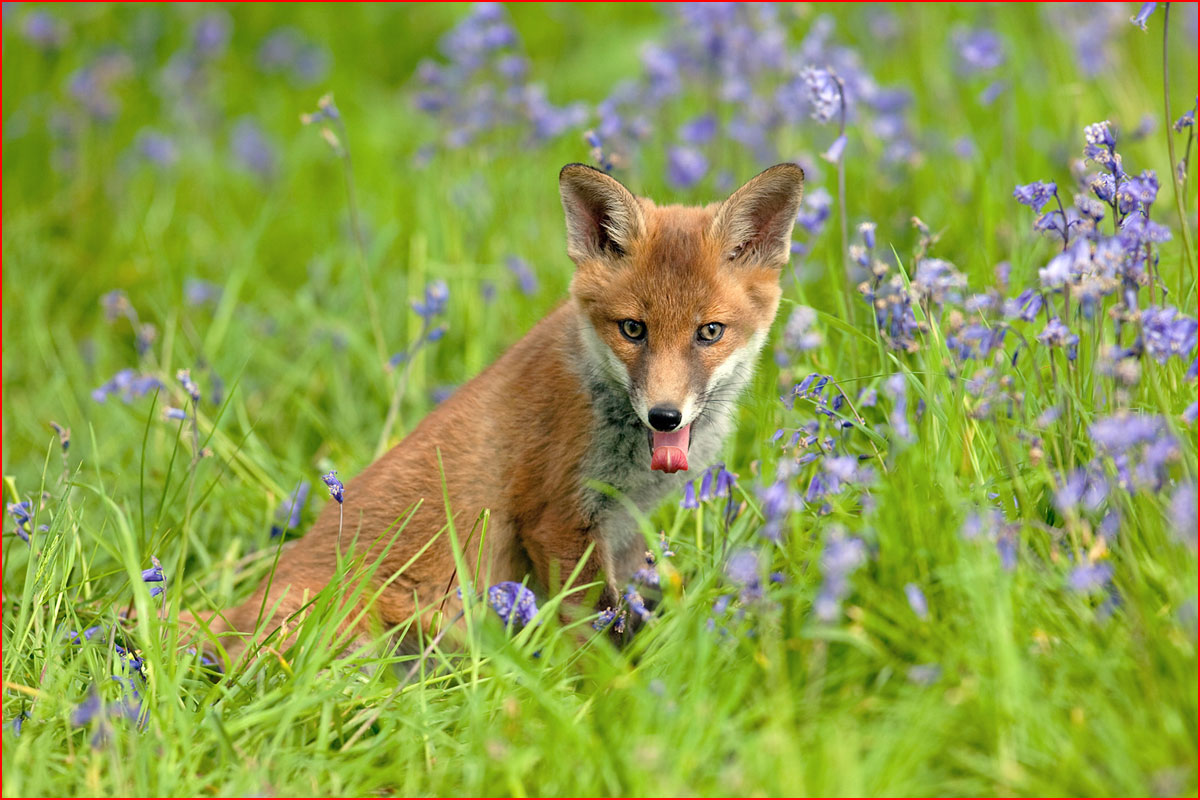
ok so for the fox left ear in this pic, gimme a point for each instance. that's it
(755, 224)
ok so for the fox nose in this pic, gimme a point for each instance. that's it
(665, 418)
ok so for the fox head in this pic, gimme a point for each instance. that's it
(677, 301)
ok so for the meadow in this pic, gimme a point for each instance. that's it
(952, 548)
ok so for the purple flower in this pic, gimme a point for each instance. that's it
(609, 616)
(840, 558)
(154, 575)
(22, 514)
(197, 292)
(699, 130)
(689, 496)
(824, 92)
(526, 280)
(336, 490)
(437, 296)
(1036, 195)
(834, 153)
(815, 209)
(291, 510)
(157, 148)
(867, 231)
(211, 34)
(251, 149)
(514, 602)
(799, 335)
(686, 166)
(979, 50)
(184, 377)
(129, 384)
(1188, 120)
(42, 30)
(1182, 512)
(1056, 334)
(1087, 578)
(1167, 333)
(916, 600)
(1081, 488)
(637, 605)
(1143, 14)
(743, 569)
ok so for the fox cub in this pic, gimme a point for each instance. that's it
(628, 383)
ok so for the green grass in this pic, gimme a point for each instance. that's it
(1023, 686)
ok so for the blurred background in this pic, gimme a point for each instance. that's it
(159, 151)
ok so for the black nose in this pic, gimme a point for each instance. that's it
(665, 418)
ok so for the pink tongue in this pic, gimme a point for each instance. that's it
(670, 450)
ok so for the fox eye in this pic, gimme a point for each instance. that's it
(710, 332)
(632, 330)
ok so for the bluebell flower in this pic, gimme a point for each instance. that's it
(799, 334)
(22, 514)
(88, 633)
(1082, 489)
(841, 556)
(1100, 146)
(836, 149)
(896, 388)
(197, 292)
(867, 231)
(1182, 513)
(992, 92)
(1143, 15)
(646, 576)
(686, 166)
(637, 605)
(514, 602)
(1188, 120)
(526, 280)
(437, 296)
(336, 490)
(172, 413)
(1056, 334)
(1167, 333)
(824, 92)
(1036, 195)
(924, 674)
(326, 110)
(19, 721)
(979, 50)
(184, 377)
(608, 617)
(1025, 306)
(1087, 578)
(43, 30)
(157, 148)
(699, 130)
(815, 210)
(210, 35)
(1139, 445)
(251, 148)
(916, 600)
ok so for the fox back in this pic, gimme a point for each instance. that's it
(621, 391)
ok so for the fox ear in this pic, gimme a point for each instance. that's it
(755, 224)
(603, 217)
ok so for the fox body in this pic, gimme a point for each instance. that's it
(627, 384)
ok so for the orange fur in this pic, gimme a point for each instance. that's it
(522, 439)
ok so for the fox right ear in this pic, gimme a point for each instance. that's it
(755, 223)
(603, 217)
